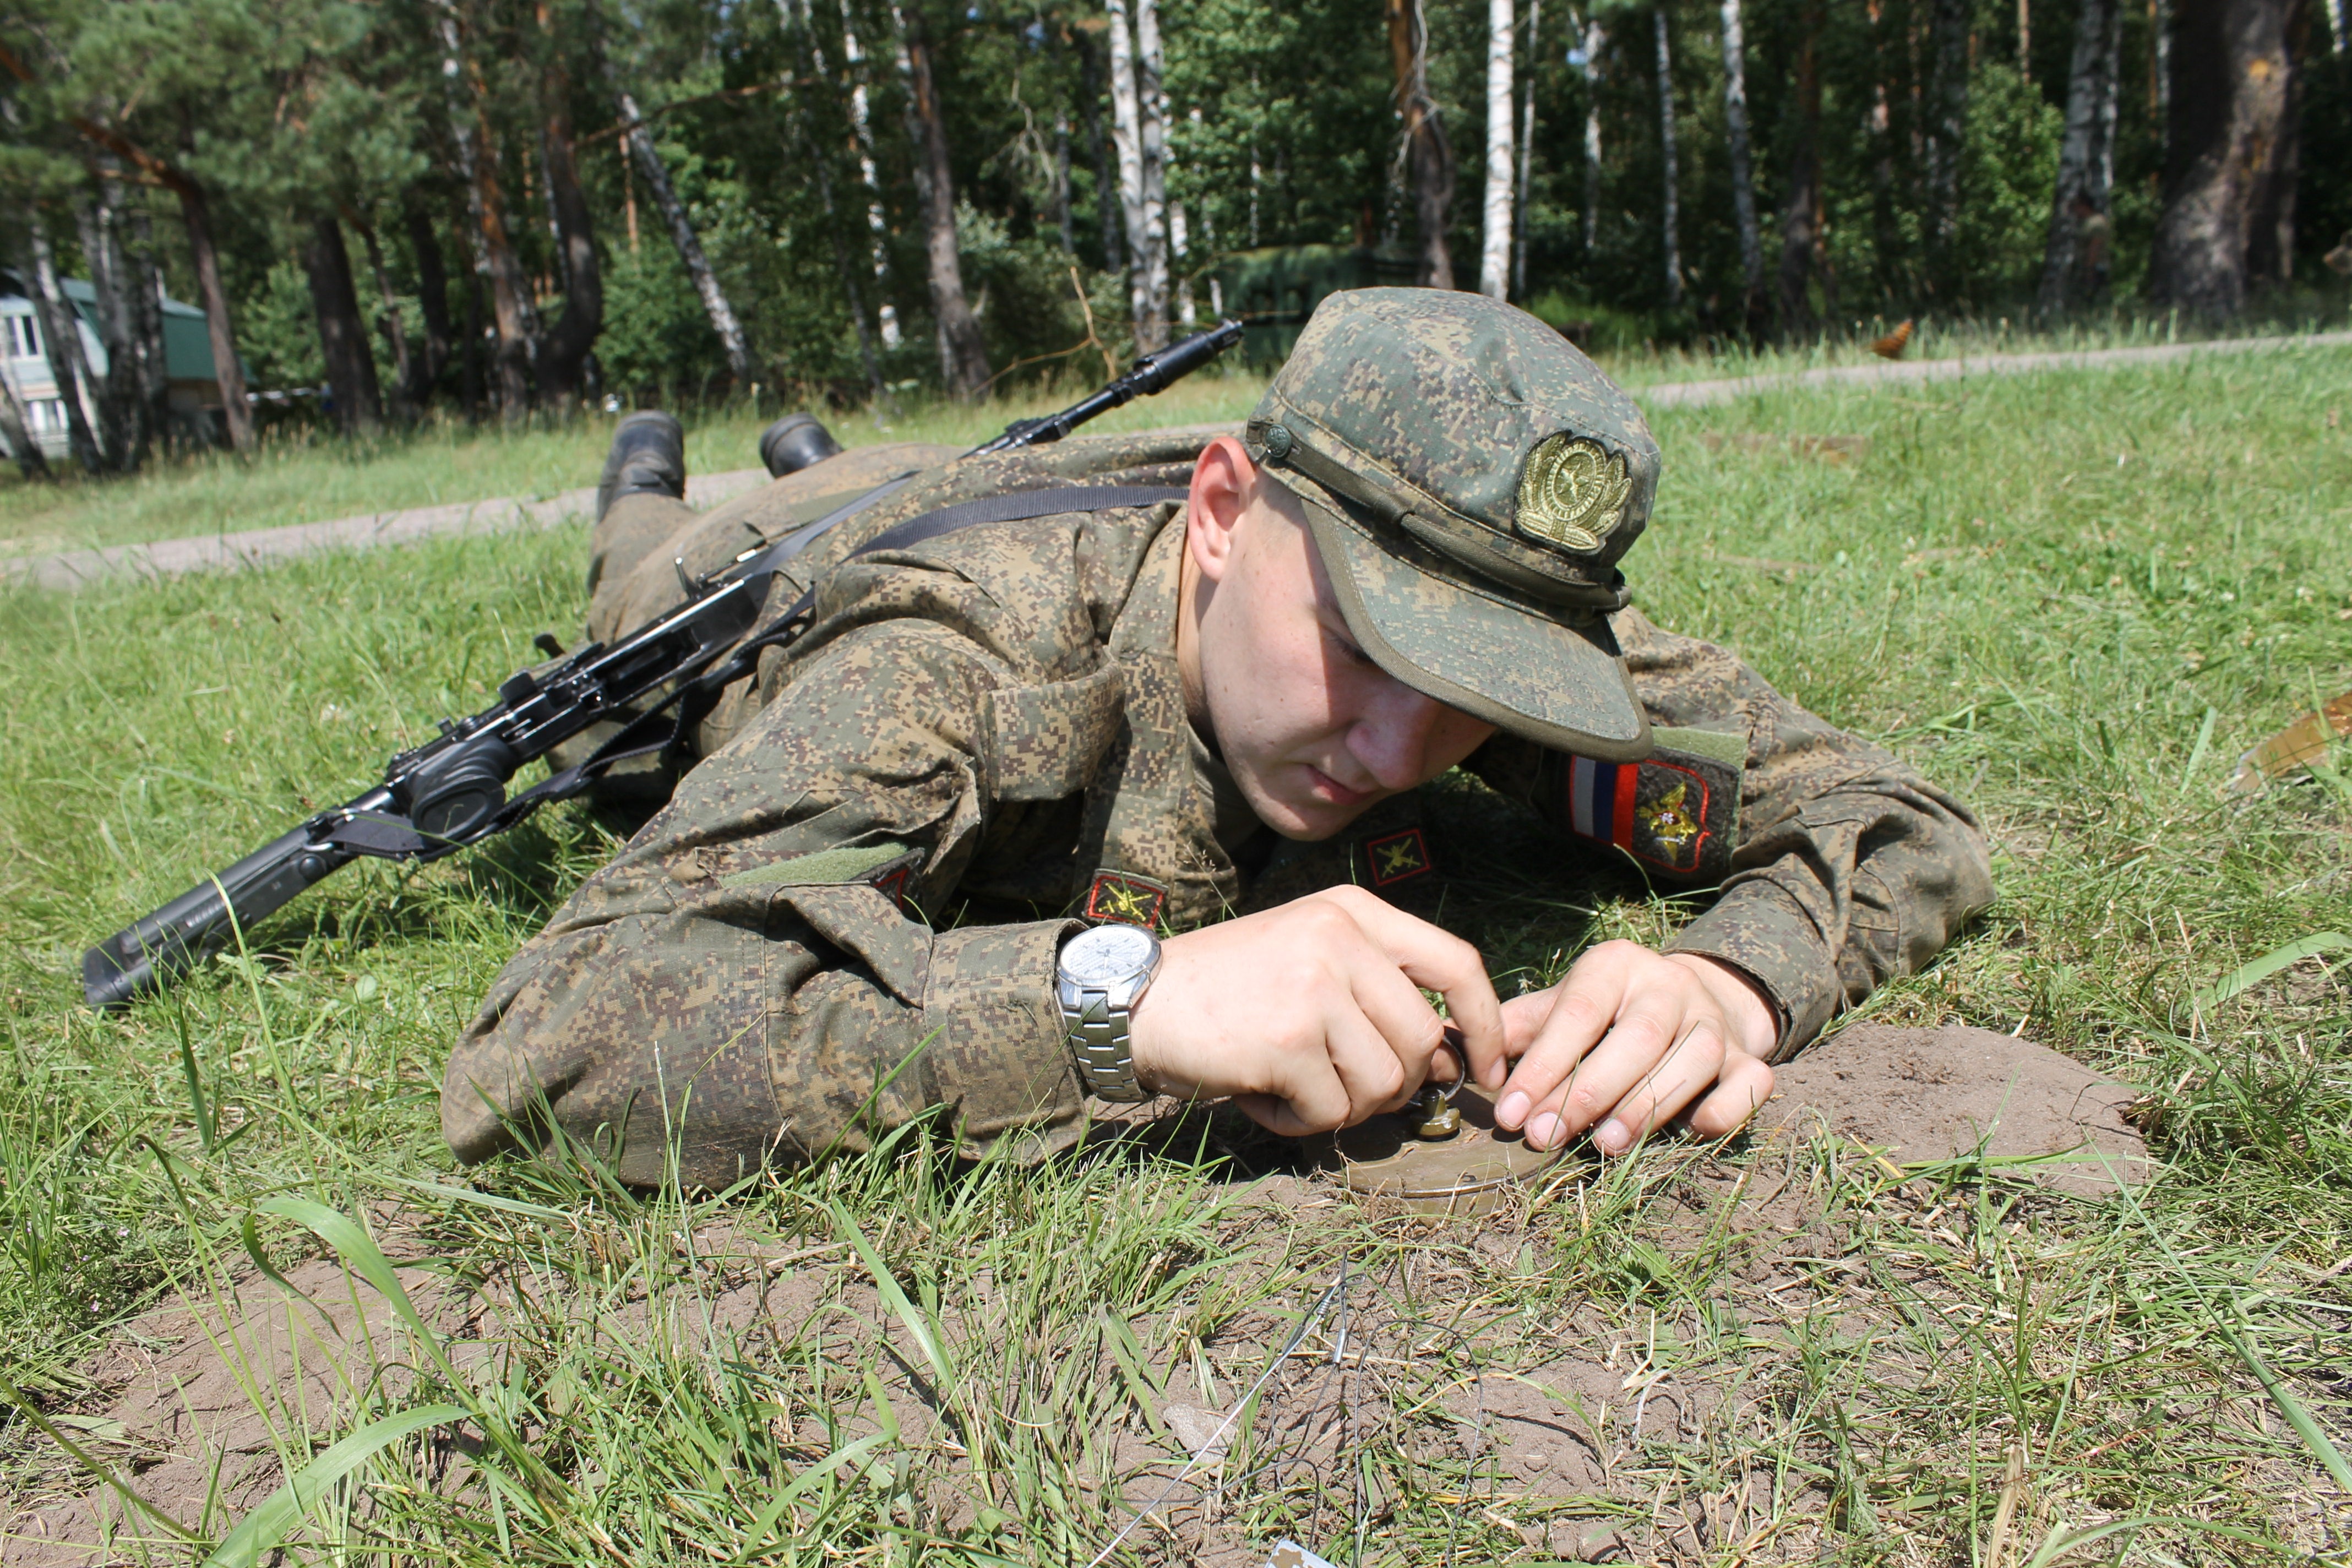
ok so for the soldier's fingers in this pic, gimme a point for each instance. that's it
(1644, 1034)
(1583, 1005)
(1739, 1092)
(1394, 1006)
(1367, 1065)
(1443, 962)
(1697, 1061)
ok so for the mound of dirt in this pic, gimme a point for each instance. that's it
(1939, 1094)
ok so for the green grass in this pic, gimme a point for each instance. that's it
(2073, 597)
(303, 476)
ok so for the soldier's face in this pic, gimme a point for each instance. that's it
(1313, 731)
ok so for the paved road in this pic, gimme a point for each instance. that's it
(234, 552)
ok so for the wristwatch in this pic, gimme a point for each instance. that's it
(1098, 976)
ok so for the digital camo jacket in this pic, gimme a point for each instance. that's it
(991, 723)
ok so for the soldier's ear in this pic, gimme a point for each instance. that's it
(1224, 482)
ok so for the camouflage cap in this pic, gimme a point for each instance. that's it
(1471, 479)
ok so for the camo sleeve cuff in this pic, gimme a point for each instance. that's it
(997, 1052)
(1759, 930)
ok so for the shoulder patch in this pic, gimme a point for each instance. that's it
(1127, 899)
(1678, 812)
(1394, 857)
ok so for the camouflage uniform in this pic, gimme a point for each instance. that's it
(991, 725)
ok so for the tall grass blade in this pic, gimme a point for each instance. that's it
(2323, 1448)
(12, 1395)
(262, 1529)
(894, 1297)
(2246, 976)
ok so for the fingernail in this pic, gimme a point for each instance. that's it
(1613, 1137)
(1543, 1130)
(1513, 1110)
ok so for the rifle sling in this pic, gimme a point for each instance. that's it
(665, 727)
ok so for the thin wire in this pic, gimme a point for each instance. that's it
(1339, 1290)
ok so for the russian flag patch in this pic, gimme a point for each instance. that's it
(1679, 811)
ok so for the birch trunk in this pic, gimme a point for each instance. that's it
(963, 356)
(1126, 138)
(1494, 254)
(1429, 156)
(707, 288)
(61, 332)
(1526, 158)
(1673, 172)
(15, 429)
(2076, 253)
(1152, 96)
(877, 223)
(1596, 38)
(1743, 180)
(121, 408)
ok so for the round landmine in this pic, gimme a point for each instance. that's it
(1472, 1171)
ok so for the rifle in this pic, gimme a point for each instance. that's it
(451, 792)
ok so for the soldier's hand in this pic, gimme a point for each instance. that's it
(1629, 1038)
(1311, 1016)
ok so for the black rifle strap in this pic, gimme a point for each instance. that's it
(665, 726)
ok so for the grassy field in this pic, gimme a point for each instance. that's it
(300, 476)
(2073, 597)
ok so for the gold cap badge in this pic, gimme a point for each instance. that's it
(1571, 493)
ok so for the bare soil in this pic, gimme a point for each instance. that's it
(1563, 1422)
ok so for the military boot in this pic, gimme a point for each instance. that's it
(797, 441)
(648, 458)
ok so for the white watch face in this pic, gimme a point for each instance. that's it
(1103, 956)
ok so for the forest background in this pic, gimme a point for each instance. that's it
(498, 207)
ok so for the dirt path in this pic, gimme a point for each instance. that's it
(77, 569)
(1699, 394)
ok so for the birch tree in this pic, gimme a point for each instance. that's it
(1526, 158)
(1494, 255)
(706, 287)
(1146, 219)
(1743, 181)
(878, 223)
(2086, 159)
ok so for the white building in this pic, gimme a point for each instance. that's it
(195, 398)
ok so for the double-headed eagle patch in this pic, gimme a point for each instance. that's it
(1573, 494)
